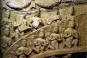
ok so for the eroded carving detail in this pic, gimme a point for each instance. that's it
(30, 33)
(71, 35)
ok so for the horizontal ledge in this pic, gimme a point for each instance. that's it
(61, 51)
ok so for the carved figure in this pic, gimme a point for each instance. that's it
(5, 38)
(55, 38)
(37, 45)
(71, 10)
(23, 50)
(40, 43)
(53, 41)
(16, 23)
(35, 22)
(23, 25)
(71, 35)
(4, 21)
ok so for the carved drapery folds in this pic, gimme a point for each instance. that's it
(29, 31)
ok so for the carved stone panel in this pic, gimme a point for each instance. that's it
(43, 28)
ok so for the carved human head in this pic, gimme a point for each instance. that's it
(56, 29)
(42, 33)
(7, 31)
(71, 10)
(4, 21)
(24, 43)
(71, 24)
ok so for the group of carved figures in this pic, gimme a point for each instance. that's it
(12, 31)
(53, 41)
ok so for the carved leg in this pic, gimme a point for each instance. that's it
(75, 42)
(56, 46)
(36, 50)
(61, 45)
(53, 45)
(42, 49)
(68, 42)
(67, 45)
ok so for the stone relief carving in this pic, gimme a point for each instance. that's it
(67, 56)
(16, 4)
(55, 38)
(43, 43)
(40, 43)
(47, 3)
(31, 35)
(71, 35)
(23, 25)
(23, 50)
(35, 22)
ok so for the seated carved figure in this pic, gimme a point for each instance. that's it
(40, 43)
(23, 50)
(71, 35)
(55, 39)
(5, 38)
(37, 45)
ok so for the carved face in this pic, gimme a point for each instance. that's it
(24, 42)
(6, 32)
(71, 24)
(4, 21)
(56, 29)
(42, 33)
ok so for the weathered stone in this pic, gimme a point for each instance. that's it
(17, 4)
(47, 3)
(45, 29)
